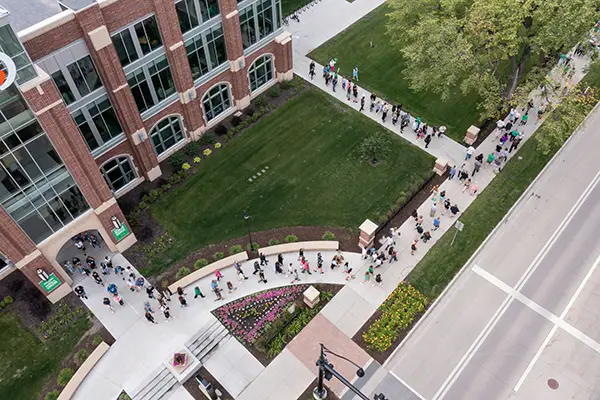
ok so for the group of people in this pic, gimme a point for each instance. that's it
(80, 240)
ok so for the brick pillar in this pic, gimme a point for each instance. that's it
(19, 248)
(109, 67)
(52, 114)
(168, 23)
(30, 270)
(283, 57)
(235, 52)
(367, 234)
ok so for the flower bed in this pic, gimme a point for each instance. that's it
(249, 317)
(397, 313)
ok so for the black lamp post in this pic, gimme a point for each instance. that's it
(327, 371)
(247, 218)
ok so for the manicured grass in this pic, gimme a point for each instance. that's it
(380, 70)
(316, 177)
(26, 364)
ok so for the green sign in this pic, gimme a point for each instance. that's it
(51, 283)
(120, 233)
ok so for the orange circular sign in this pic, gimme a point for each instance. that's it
(2, 77)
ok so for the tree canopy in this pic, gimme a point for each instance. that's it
(484, 45)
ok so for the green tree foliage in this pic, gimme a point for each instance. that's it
(483, 45)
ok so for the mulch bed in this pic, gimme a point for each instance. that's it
(308, 395)
(348, 239)
(381, 357)
(192, 386)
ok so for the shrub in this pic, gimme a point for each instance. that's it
(254, 248)
(235, 121)
(219, 255)
(274, 91)
(249, 112)
(142, 205)
(291, 238)
(197, 160)
(2, 304)
(153, 196)
(260, 102)
(208, 138)
(142, 195)
(220, 129)
(285, 85)
(176, 160)
(53, 395)
(81, 356)
(192, 149)
(207, 152)
(203, 262)
(183, 271)
(235, 249)
(166, 187)
(328, 236)
(186, 166)
(273, 242)
(64, 376)
(174, 179)
(8, 300)
(97, 340)
(218, 145)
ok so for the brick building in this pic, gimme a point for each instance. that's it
(105, 91)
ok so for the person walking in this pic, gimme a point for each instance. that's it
(166, 312)
(150, 291)
(256, 268)
(334, 82)
(261, 277)
(384, 112)
(80, 291)
(427, 140)
(97, 278)
(305, 267)
(470, 152)
(180, 291)
(433, 210)
(198, 292)
(311, 70)
(230, 287)
(238, 267)
(413, 247)
(436, 223)
(150, 318)
(148, 307)
(278, 269)
(368, 274)
(476, 166)
(108, 262)
(295, 277)
(393, 255)
(466, 185)
(378, 280)
(452, 172)
(355, 73)
(490, 158)
(263, 260)
(349, 92)
(362, 103)
(454, 210)
(290, 270)
(182, 301)
(515, 143)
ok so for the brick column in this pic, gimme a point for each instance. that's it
(235, 52)
(283, 57)
(45, 101)
(109, 67)
(168, 23)
(19, 248)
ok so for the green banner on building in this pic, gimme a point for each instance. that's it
(120, 233)
(51, 283)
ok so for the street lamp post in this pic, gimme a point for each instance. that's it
(327, 371)
(247, 218)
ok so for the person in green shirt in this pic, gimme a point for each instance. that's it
(490, 158)
(513, 135)
(524, 119)
(197, 292)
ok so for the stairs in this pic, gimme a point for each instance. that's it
(208, 339)
(156, 386)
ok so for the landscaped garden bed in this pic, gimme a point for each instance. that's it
(265, 322)
(301, 166)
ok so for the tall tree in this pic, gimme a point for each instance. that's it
(483, 45)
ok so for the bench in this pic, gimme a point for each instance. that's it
(320, 245)
(83, 371)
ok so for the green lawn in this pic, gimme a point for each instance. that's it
(381, 69)
(289, 6)
(315, 177)
(26, 364)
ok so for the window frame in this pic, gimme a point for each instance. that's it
(262, 59)
(201, 42)
(89, 120)
(156, 131)
(145, 70)
(207, 93)
(198, 10)
(119, 159)
(275, 7)
(141, 56)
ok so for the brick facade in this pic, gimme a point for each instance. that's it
(14, 243)
(40, 262)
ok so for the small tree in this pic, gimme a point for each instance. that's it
(53, 395)
(64, 376)
(328, 236)
(219, 255)
(236, 248)
(291, 238)
(81, 356)
(97, 340)
(375, 147)
(203, 262)
(183, 271)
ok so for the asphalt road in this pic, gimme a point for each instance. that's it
(522, 320)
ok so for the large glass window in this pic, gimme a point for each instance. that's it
(166, 134)
(10, 45)
(118, 172)
(84, 75)
(35, 187)
(151, 83)
(216, 101)
(138, 40)
(260, 72)
(97, 122)
(206, 51)
(63, 87)
(259, 20)
(192, 12)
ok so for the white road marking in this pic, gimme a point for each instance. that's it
(553, 331)
(459, 368)
(407, 385)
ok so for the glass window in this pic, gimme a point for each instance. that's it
(84, 75)
(63, 87)
(97, 122)
(215, 41)
(125, 48)
(140, 90)
(264, 13)
(216, 101)
(162, 80)
(260, 72)
(10, 45)
(188, 16)
(208, 9)
(196, 56)
(118, 173)
(148, 35)
(247, 26)
(206, 51)
(166, 134)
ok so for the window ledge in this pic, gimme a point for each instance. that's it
(108, 145)
(261, 43)
(160, 106)
(176, 147)
(211, 74)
